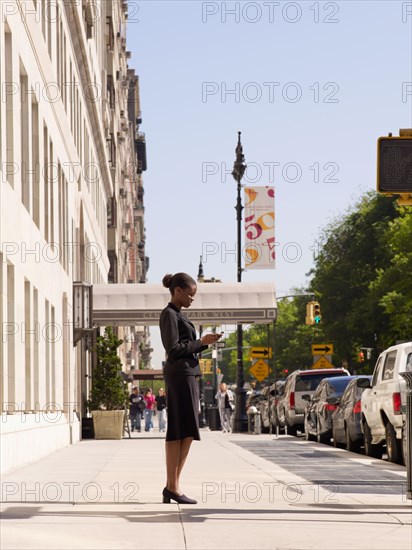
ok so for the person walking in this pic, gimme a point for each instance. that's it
(149, 410)
(161, 409)
(225, 402)
(181, 371)
(136, 400)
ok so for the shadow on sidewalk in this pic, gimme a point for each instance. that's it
(201, 515)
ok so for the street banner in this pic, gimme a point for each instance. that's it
(259, 250)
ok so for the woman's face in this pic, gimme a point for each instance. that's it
(223, 387)
(185, 296)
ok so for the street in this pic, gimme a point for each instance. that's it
(252, 491)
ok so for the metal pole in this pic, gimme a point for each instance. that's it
(407, 376)
(274, 371)
(240, 422)
(202, 414)
(269, 396)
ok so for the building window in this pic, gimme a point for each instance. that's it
(9, 109)
(27, 347)
(11, 351)
(25, 141)
(35, 159)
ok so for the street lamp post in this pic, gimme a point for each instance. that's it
(240, 422)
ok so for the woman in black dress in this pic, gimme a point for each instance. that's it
(181, 371)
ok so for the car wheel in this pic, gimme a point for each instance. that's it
(291, 430)
(352, 446)
(393, 445)
(323, 439)
(374, 451)
(308, 435)
(336, 443)
(265, 429)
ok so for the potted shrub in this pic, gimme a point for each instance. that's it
(108, 397)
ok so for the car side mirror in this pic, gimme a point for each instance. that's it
(363, 383)
(306, 397)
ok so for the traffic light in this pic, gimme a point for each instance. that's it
(394, 175)
(361, 357)
(309, 314)
(317, 317)
(313, 315)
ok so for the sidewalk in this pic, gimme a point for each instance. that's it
(107, 495)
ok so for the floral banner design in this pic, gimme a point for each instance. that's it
(259, 250)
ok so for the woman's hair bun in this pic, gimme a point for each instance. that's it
(167, 279)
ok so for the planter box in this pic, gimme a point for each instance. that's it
(108, 424)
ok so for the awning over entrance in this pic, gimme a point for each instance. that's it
(215, 303)
(147, 374)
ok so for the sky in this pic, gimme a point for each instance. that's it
(311, 86)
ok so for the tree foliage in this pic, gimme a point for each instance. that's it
(108, 389)
(354, 256)
(363, 281)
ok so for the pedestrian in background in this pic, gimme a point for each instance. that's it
(135, 411)
(181, 372)
(226, 404)
(149, 410)
(161, 409)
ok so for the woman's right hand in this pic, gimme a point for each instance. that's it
(211, 338)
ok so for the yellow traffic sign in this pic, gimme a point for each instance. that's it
(206, 366)
(259, 370)
(260, 352)
(322, 363)
(322, 349)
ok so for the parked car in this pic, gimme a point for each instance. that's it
(320, 407)
(381, 403)
(268, 405)
(346, 419)
(254, 398)
(291, 406)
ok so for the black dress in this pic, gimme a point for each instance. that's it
(180, 372)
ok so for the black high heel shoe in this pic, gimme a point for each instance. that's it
(180, 499)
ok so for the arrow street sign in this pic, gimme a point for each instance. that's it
(259, 370)
(322, 349)
(265, 353)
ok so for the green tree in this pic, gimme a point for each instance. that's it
(352, 254)
(292, 345)
(108, 392)
(392, 288)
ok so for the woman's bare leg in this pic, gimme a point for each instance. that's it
(184, 451)
(172, 464)
(176, 454)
